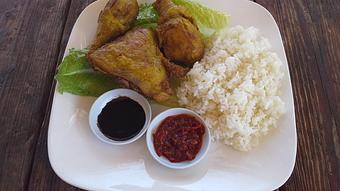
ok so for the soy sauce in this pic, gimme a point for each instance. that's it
(121, 119)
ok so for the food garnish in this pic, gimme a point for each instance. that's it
(75, 75)
(208, 20)
(147, 16)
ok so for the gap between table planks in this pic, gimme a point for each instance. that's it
(32, 41)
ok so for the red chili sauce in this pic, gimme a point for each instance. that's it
(179, 138)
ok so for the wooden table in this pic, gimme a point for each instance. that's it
(33, 36)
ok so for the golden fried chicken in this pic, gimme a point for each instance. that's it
(114, 20)
(136, 59)
(178, 34)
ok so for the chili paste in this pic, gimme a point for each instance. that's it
(179, 138)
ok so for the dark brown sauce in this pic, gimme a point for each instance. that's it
(121, 119)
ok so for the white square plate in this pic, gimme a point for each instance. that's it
(82, 160)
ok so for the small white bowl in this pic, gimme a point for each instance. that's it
(164, 161)
(100, 103)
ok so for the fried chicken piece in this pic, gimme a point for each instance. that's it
(135, 57)
(178, 34)
(174, 70)
(114, 20)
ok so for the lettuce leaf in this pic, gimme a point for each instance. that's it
(76, 76)
(208, 20)
(147, 16)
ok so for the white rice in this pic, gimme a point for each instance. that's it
(235, 87)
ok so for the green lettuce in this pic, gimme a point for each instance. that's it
(147, 16)
(207, 17)
(208, 20)
(76, 76)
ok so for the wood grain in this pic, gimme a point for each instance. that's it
(42, 176)
(33, 36)
(310, 32)
(30, 34)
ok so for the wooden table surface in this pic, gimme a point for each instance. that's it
(33, 36)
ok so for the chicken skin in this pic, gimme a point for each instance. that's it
(178, 34)
(114, 20)
(136, 59)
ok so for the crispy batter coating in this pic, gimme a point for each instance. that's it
(135, 57)
(178, 34)
(114, 20)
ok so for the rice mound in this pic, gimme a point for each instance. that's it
(235, 87)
